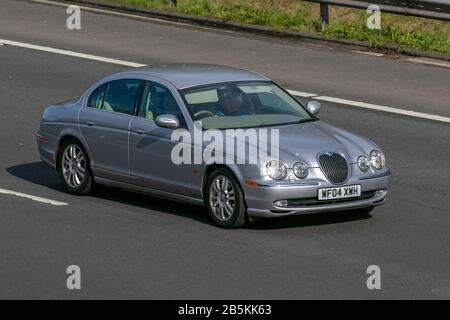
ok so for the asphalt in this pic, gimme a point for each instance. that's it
(134, 246)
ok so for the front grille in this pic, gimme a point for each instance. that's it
(334, 167)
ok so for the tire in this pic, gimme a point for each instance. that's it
(225, 200)
(74, 169)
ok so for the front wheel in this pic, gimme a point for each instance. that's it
(74, 168)
(225, 200)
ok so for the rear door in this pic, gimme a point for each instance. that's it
(105, 123)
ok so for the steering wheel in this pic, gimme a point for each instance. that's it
(205, 113)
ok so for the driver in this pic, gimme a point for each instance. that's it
(231, 106)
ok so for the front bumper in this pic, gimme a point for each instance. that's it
(302, 196)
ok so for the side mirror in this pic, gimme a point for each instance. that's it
(167, 121)
(313, 106)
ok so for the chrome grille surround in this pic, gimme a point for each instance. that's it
(334, 166)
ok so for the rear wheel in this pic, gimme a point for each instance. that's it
(74, 168)
(225, 200)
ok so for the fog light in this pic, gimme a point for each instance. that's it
(281, 203)
(380, 193)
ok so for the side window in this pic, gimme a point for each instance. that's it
(157, 100)
(116, 96)
(121, 96)
(96, 98)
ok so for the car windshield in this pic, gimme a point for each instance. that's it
(243, 105)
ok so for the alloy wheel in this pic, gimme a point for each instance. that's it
(222, 198)
(73, 165)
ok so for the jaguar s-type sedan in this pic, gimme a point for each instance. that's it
(120, 133)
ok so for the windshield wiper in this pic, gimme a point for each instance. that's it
(293, 122)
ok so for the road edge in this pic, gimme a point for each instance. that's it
(250, 28)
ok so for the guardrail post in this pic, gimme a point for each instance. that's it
(324, 13)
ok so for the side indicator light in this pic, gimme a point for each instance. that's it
(42, 138)
(251, 183)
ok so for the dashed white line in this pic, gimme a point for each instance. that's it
(359, 104)
(71, 53)
(31, 197)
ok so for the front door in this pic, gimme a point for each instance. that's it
(151, 146)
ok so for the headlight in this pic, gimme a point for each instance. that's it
(300, 170)
(377, 159)
(364, 163)
(276, 170)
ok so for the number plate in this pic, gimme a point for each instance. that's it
(339, 192)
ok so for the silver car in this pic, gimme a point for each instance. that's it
(120, 133)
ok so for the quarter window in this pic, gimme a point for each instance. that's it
(96, 99)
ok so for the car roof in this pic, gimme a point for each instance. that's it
(188, 75)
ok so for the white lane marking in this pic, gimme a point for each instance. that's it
(293, 92)
(31, 197)
(301, 93)
(429, 61)
(368, 53)
(384, 109)
(71, 53)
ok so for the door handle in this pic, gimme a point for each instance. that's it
(90, 123)
(139, 131)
